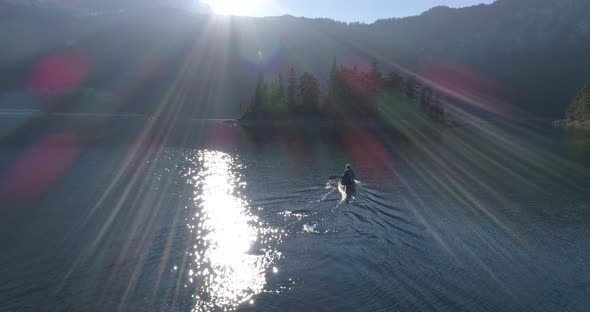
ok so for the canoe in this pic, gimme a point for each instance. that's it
(347, 191)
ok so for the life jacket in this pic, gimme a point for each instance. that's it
(347, 177)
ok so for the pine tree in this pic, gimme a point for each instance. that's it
(375, 73)
(281, 90)
(438, 107)
(394, 81)
(292, 90)
(580, 108)
(411, 86)
(334, 83)
(258, 99)
(426, 103)
(309, 89)
(375, 83)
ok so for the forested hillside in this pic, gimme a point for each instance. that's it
(523, 53)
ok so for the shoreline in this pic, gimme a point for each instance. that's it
(577, 124)
(302, 122)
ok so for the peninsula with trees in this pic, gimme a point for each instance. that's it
(578, 113)
(350, 96)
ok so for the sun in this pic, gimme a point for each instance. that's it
(235, 7)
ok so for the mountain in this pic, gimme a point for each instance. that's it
(535, 49)
(93, 7)
(512, 55)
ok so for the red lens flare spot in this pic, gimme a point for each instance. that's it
(459, 77)
(471, 86)
(368, 153)
(38, 168)
(222, 136)
(58, 73)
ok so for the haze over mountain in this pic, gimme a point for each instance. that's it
(523, 53)
(108, 6)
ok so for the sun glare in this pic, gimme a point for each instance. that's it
(228, 265)
(236, 7)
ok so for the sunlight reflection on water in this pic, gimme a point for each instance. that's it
(233, 250)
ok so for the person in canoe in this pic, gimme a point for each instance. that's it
(348, 181)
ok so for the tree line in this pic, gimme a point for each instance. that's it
(349, 93)
(579, 109)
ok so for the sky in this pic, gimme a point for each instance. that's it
(343, 10)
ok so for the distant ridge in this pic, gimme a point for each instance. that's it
(508, 52)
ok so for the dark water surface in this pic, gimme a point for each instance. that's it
(481, 218)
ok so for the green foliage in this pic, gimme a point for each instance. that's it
(401, 112)
(579, 110)
(275, 101)
(258, 99)
(430, 104)
(411, 87)
(309, 91)
(375, 73)
(351, 95)
(292, 90)
(149, 50)
(393, 82)
(269, 99)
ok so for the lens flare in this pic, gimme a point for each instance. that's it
(258, 45)
(38, 168)
(58, 73)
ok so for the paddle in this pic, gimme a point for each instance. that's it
(334, 177)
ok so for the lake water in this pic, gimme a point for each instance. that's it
(214, 217)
